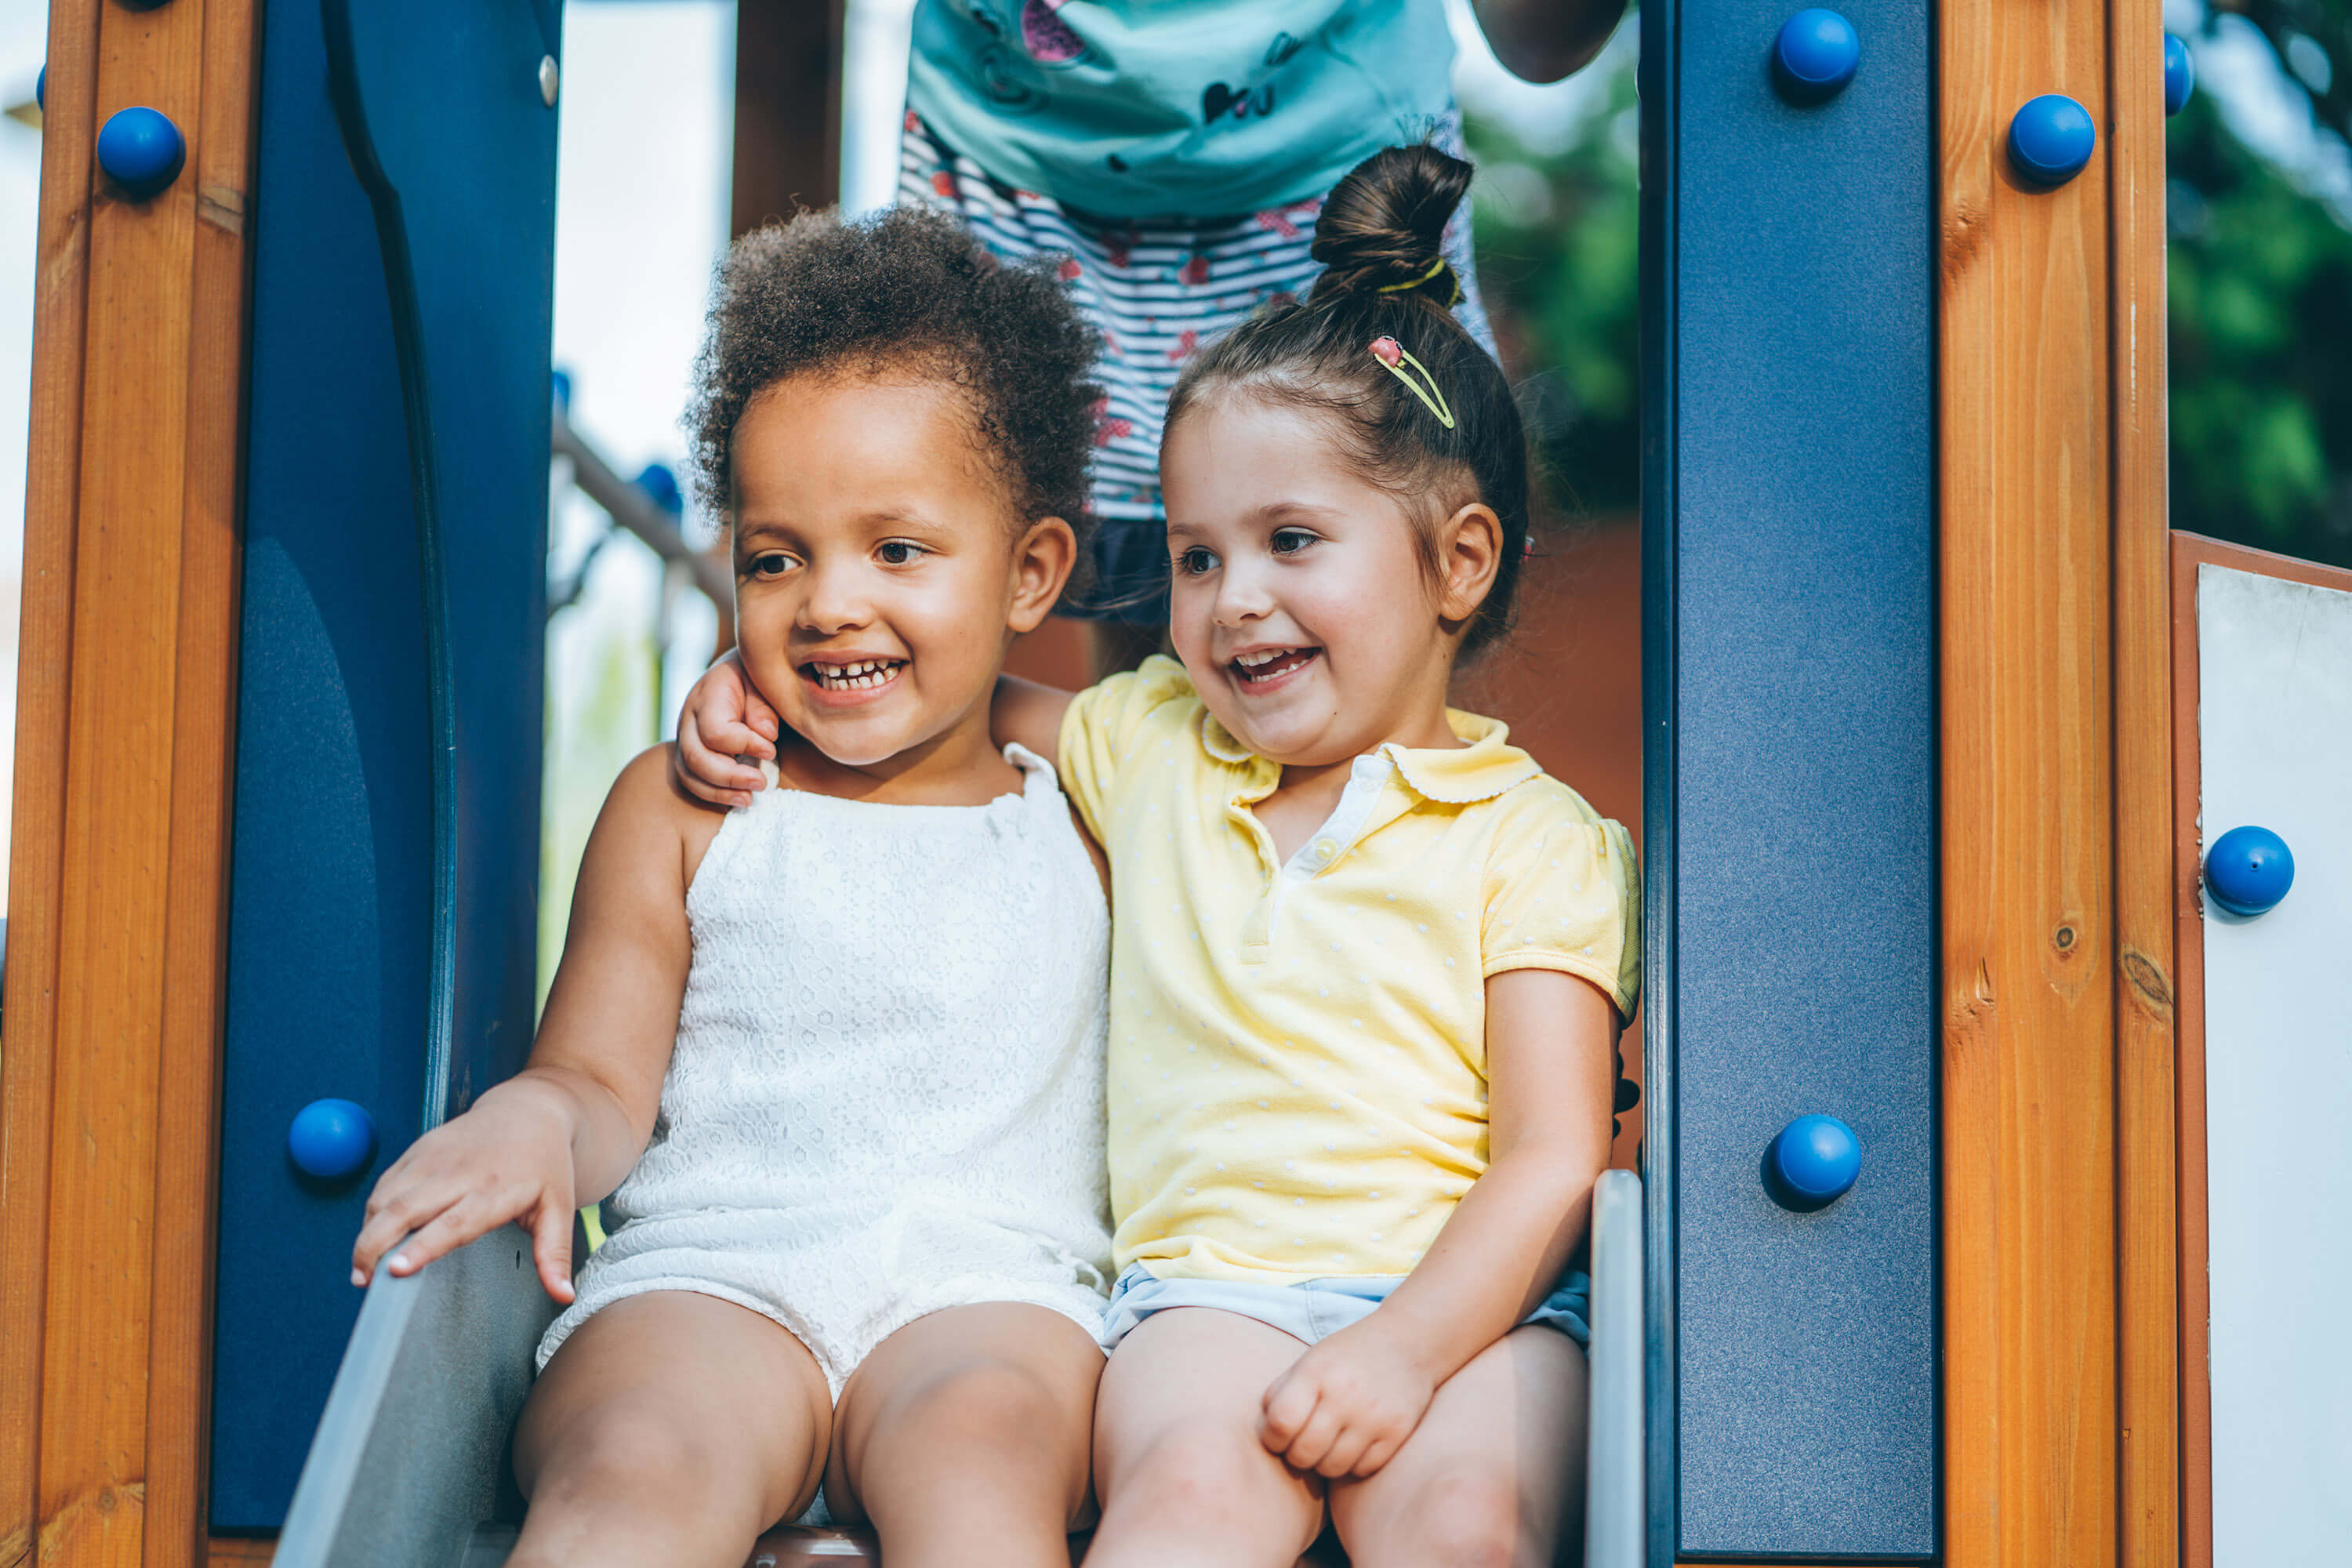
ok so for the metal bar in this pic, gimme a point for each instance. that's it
(629, 506)
(1616, 1505)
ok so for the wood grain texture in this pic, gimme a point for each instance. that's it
(2189, 550)
(202, 773)
(118, 883)
(2148, 1480)
(2029, 939)
(52, 484)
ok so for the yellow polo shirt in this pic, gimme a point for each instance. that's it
(1298, 1052)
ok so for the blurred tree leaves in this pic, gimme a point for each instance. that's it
(1557, 237)
(2261, 303)
(2260, 300)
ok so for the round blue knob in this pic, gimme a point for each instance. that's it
(1813, 1162)
(559, 382)
(2179, 74)
(2249, 871)
(2051, 139)
(41, 90)
(660, 486)
(1815, 54)
(140, 151)
(331, 1139)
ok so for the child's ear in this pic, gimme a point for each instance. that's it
(1041, 566)
(1469, 553)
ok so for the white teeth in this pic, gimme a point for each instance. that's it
(1252, 660)
(854, 677)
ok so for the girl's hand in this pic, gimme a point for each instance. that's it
(1347, 1406)
(724, 718)
(508, 1158)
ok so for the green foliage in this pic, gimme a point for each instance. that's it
(2260, 349)
(1557, 238)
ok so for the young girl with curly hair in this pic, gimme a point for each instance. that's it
(1369, 962)
(837, 1057)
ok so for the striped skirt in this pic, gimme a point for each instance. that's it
(1158, 290)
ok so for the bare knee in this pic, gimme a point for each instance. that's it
(984, 1402)
(1463, 1516)
(1193, 1469)
(628, 1458)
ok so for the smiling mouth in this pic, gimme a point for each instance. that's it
(859, 675)
(1270, 665)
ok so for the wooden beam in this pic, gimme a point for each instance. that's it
(2148, 1340)
(2031, 947)
(787, 111)
(113, 1069)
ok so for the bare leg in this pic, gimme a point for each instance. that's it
(964, 1437)
(1493, 1475)
(1114, 645)
(1183, 1477)
(670, 1427)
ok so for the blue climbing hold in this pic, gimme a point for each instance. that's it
(140, 151)
(332, 1140)
(2051, 139)
(41, 90)
(2248, 870)
(2179, 73)
(1813, 1164)
(1815, 56)
(660, 486)
(559, 383)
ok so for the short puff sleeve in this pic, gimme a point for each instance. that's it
(1101, 727)
(1563, 891)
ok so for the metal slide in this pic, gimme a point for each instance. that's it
(409, 1468)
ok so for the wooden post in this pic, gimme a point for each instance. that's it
(127, 675)
(2061, 1415)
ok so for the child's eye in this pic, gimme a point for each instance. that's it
(1196, 561)
(898, 552)
(1291, 541)
(768, 563)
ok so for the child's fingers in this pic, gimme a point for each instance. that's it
(390, 1215)
(705, 774)
(1346, 1450)
(1376, 1456)
(762, 717)
(1307, 1451)
(1290, 1402)
(550, 1248)
(452, 1228)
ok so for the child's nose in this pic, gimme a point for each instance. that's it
(837, 601)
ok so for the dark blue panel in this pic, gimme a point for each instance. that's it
(1793, 766)
(332, 886)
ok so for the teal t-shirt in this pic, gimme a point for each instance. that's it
(1165, 108)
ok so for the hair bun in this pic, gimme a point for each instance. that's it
(1383, 226)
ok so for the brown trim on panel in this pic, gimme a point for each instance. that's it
(2147, 1480)
(2191, 551)
(60, 293)
(2029, 937)
(203, 777)
(109, 1102)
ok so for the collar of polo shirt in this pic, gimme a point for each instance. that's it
(1484, 766)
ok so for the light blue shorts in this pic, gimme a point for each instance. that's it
(1311, 1309)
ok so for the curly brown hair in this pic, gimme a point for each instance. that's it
(904, 290)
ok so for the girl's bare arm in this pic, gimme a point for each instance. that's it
(565, 1130)
(1544, 40)
(1347, 1406)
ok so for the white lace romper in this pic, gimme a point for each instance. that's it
(887, 1094)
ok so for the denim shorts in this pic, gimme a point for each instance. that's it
(1311, 1309)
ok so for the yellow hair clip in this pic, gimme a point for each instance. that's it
(1430, 271)
(1393, 357)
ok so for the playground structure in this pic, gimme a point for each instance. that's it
(1941, 725)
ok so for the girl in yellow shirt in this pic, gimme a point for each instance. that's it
(1368, 963)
